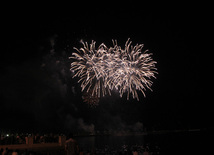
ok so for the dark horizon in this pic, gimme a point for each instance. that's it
(38, 92)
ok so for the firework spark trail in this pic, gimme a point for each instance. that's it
(89, 67)
(105, 69)
(131, 70)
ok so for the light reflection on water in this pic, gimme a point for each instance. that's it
(114, 142)
(169, 143)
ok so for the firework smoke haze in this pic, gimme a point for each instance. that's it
(105, 69)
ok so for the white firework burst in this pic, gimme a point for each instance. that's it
(103, 69)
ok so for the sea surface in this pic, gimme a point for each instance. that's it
(186, 142)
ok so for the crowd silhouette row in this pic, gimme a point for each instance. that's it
(11, 139)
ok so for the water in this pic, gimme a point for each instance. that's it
(114, 142)
(167, 143)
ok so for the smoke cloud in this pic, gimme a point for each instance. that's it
(78, 125)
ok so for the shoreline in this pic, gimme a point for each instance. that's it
(139, 133)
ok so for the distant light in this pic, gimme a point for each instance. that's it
(7, 135)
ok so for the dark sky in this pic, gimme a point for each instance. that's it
(37, 90)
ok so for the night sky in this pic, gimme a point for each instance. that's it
(37, 91)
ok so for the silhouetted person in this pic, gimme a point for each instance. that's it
(15, 152)
(146, 152)
(1, 150)
(5, 152)
(135, 152)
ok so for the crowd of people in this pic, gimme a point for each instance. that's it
(11, 139)
(7, 151)
(124, 150)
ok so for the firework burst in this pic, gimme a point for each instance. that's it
(89, 67)
(132, 70)
(105, 69)
(91, 100)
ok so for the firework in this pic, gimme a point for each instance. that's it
(91, 100)
(132, 70)
(105, 69)
(89, 67)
